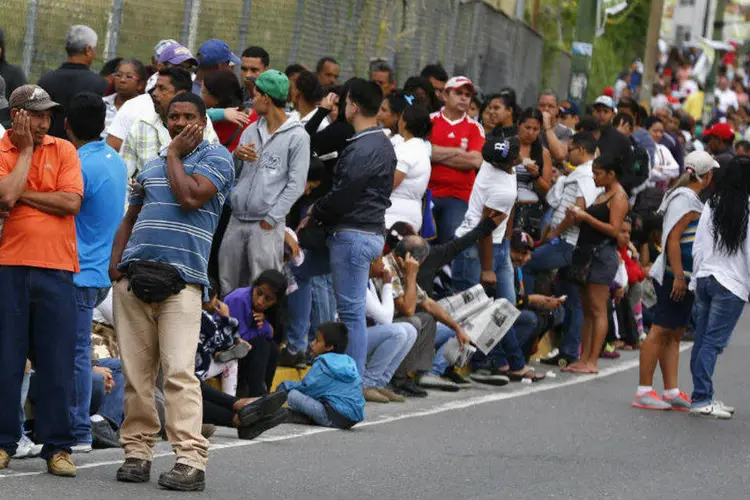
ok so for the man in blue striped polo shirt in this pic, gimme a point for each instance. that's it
(160, 263)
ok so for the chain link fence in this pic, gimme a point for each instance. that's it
(466, 36)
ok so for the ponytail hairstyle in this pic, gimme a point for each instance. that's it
(396, 234)
(729, 205)
(416, 117)
(685, 179)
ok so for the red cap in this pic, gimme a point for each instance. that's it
(609, 92)
(721, 130)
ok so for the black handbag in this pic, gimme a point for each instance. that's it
(154, 282)
(313, 236)
(578, 271)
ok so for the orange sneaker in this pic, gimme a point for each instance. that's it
(651, 401)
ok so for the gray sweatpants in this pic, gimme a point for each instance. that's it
(246, 251)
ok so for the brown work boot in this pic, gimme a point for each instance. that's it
(61, 464)
(4, 459)
(392, 396)
(372, 395)
(182, 477)
(134, 470)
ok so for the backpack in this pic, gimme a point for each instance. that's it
(639, 169)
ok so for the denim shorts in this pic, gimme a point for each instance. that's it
(604, 264)
(668, 313)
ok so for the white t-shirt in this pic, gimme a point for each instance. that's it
(495, 189)
(2, 131)
(727, 98)
(129, 113)
(406, 200)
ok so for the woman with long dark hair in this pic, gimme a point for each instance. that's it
(534, 174)
(390, 112)
(721, 266)
(222, 90)
(595, 259)
(671, 274)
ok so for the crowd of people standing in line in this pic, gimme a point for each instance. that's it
(286, 219)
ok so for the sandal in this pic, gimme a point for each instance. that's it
(528, 373)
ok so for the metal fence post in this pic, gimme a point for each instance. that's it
(474, 66)
(450, 58)
(186, 16)
(296, 31)
(195, 15)
(326, 33)
(352, 38)
(247, 6)
(29, 39)
(113, 30)
(381, 16)
(390, 44)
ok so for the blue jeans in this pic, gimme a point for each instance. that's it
(38, 311)
(716, 312)
(348, 260)
(311, 407)
(442, 336)
(448, 214)
(110, 406)
(552, 256)
(323, 303)
(86, 299)
(387, 346)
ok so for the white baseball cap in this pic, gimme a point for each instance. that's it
(459, 81)
(700, 163)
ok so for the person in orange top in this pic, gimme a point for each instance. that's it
(41, 188)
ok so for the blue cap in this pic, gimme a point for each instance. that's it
(568, 108)
(214, 52)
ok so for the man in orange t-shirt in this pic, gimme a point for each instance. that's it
(41, 188)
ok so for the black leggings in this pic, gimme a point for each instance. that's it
(258, 368)
(218, 407)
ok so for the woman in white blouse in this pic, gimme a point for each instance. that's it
(664, 166)
(413, 168)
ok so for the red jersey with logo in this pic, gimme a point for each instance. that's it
(464, 133)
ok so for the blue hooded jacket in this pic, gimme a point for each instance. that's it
(333, 378)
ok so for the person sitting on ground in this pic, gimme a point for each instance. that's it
(388, 343)
(219, 345)
(530, 305)
(250, 416)
(256, 308)
(413, 304)
(331, 392)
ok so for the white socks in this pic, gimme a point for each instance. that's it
(671, 393)
(643, 389)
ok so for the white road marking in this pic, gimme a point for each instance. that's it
(525, 390)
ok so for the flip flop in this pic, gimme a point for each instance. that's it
(535, 377)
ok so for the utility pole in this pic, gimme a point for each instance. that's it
(582, 50)
(718, 35)
(652, 51)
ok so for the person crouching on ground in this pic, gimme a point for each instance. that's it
(331, 393)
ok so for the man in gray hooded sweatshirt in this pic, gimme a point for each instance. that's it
(272, 161)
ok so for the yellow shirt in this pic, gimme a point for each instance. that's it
(694, 105)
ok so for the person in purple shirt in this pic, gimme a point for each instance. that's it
(256, 308)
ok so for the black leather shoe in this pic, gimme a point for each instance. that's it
(406, 387)
(104, 436)
(134, 470)
(262, 425)
(183, 478)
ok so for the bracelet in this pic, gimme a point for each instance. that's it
(680, 278)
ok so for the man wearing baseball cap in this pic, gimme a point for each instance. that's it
(273, 158)
(41, 188)
(457, 142)
(719, 139)
(213, 55)
(612, 143)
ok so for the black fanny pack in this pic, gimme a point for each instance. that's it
(154, 281)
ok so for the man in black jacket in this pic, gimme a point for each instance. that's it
(13, 75)
(353, 216)
(74, 75)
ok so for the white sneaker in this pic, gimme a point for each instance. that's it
(27, 448)
(81, 448)
(711, 410)
(726, 408)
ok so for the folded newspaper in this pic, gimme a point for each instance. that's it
(465, 304)
(486, 328)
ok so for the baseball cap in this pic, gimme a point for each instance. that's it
(163, 44)
(721, 130)
(501, 151)
(32, 98)
(459, 81)
(604, 100)
(273, 83)
(176, 54)
(214, 52)
(568, 108)
(520, 241)
(700, 163)
(3, 100)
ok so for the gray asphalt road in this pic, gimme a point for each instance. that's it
(564, 438)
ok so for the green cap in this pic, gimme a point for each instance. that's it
(273, 83)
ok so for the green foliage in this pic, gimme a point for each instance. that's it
(624, 39)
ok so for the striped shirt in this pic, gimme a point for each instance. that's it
(686, 250)
(571, 192)
(164, 231)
